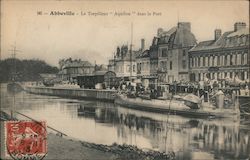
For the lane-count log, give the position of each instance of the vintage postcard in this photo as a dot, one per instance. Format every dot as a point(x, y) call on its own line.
point(124, 80)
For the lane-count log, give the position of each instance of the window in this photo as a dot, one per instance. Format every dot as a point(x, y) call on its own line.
point(218, 61)
point(204, 58)
point(213, 59)
point(133, 68)
point(231, 59)
point(128, 68)
point(239, 59)
point(208, 61)
point(184, 64)
point(170, 67)
point(231, 74)
point(241, 40)
point(199, 61)
point(225, 60)
point(235, 62)
point(245, 58)
point(164, 52)
point(184, 53)
point(190, 62)
point(242, 59)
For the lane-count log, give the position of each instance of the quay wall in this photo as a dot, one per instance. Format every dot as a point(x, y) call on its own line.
point(105, 95)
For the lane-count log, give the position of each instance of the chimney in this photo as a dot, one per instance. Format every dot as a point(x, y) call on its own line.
point(184, 25)
point(239, 26)
point(142, 44)
point(159, 31)
point(217, 34)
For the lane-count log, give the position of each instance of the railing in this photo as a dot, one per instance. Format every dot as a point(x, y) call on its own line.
point(61, 133)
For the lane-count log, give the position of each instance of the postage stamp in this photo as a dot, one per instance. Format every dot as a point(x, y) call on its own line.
point(26, 139)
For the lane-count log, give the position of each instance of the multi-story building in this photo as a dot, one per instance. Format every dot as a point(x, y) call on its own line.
point(226, 56)
point(167, 56)
point(143, 67)
point(123, 63)
point(69, 68)
point(173, 46)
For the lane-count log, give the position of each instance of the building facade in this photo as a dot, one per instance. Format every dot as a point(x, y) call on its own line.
point(123, 63)
point(166, 60)
point(173, 52)
point(143, 67)
point(69, 69)
point(224, 57)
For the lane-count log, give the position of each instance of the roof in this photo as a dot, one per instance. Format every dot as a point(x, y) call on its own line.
point(144, 54)
point(226, 40)
point(133, 56)
point(241, 32)
point(99, 73)
point(77, 64)
point(202, 45)
point(87, 63)
point(178, 36)
point(184, 38)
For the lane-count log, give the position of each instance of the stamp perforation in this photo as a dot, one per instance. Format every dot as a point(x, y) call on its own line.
point(28, 138)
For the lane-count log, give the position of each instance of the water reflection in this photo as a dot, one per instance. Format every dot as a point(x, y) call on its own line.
point(106, 123)
point(217, 138)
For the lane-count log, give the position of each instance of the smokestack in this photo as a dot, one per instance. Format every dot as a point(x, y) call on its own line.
point(239, 25)
point(217, 34)
point(142, 44)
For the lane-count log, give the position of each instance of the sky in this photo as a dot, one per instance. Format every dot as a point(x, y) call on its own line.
point(95, 38)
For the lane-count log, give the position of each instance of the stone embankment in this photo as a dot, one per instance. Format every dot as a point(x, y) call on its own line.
point(105, 95)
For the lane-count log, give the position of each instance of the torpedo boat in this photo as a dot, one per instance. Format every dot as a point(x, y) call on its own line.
point(189, 105)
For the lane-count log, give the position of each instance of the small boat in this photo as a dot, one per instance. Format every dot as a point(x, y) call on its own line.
point(190, 105)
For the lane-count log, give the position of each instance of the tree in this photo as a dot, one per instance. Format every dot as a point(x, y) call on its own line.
point(25, 70)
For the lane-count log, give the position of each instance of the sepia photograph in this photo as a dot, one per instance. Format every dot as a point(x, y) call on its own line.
point(124, 80)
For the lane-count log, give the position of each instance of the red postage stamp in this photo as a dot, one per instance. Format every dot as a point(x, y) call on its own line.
point(26, 139)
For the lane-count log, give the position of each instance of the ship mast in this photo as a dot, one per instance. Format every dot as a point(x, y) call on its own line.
point(13, 77)
point(13, 56)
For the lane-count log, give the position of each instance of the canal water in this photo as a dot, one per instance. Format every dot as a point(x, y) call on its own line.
point(107, 123)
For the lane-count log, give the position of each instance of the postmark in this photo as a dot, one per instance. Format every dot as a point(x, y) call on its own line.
point(26, 139)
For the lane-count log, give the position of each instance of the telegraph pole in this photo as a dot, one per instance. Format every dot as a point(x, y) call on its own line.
point(131, 45)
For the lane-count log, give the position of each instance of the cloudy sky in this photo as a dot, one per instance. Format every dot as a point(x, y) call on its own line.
point(95, 38)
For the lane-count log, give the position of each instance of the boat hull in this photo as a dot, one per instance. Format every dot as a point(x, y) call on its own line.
point(244, 101)
point(174, 107)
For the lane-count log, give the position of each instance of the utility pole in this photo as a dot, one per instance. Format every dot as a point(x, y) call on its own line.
point(131, 45)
